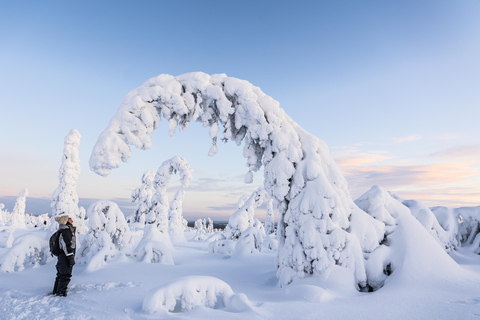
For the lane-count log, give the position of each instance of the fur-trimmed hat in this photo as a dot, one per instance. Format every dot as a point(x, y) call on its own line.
point(62, 219)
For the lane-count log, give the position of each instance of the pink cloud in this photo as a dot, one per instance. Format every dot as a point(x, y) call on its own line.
point(410, 138)
point(468, 151)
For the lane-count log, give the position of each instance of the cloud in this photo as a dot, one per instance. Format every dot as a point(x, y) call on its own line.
point(461, 152)
point(354, 158)
point(410, 138)
point(427, 183)
point(448, 136)
point(231, 207)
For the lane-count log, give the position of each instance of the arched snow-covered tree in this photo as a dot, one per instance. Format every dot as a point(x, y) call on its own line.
point(308, 189)
point(168, 217)
point(65, 197)
point(143, 196)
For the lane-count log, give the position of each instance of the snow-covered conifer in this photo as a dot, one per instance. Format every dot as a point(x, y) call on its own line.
point(3, 215)
point(243, 218)
point(200, 229)
point(107, 235)
point(307, 187)
point(209, 225)
point(269, 218)
point(251, 239)
point(65, 197)
point(17, 217)
point(143, 196)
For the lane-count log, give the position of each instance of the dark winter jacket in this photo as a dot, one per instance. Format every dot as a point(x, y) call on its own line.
point(67, 239)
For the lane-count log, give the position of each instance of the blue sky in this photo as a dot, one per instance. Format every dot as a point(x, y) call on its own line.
point(390, 86)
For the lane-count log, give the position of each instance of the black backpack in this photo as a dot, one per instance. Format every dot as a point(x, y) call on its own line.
point(54, 245)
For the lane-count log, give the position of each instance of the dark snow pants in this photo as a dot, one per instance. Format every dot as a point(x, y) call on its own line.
point(64, 274)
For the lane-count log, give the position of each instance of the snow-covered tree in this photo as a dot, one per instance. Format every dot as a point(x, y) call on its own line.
point(38, 221)
point(243, 218)
point(17, 217)
point(143, 196)
point(269, 218)
point(209, 225)
point(461, 223)
point(65, 197)
point(427, 218)
point(168, 217)
point(26, 251)
point(3, 215)
point(200, 228)
point(108, 234)
point(155, 246)
point(306, 185)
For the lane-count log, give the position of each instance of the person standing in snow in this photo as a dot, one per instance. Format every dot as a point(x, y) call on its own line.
point(66, 258)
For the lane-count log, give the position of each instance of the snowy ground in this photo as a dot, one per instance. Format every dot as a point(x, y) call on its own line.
point(117, 291)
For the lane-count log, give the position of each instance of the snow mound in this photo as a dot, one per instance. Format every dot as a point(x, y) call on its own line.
point(429, 221)
point(155, 246)
point(222, 246)
point(27, 250)
point(408, 252)
point(189, 292)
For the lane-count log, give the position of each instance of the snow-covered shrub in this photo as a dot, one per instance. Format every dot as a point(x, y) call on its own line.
point(222, 246)
point(427, 218)
point(107, 235)
point(469, 227)
point(10, 238)
point(269, 244)
point(65, 197)
point(40, 221)
point(143, 196)
point(3, 215)
point(27, 250)
point(251, 239)
point(269, 218)
point(189, 292)
point(384, 209)
point(17, 217)
point(155, 246)
point(449, 220)
point(243, 218)
point(200, 229)
point(307, 187)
